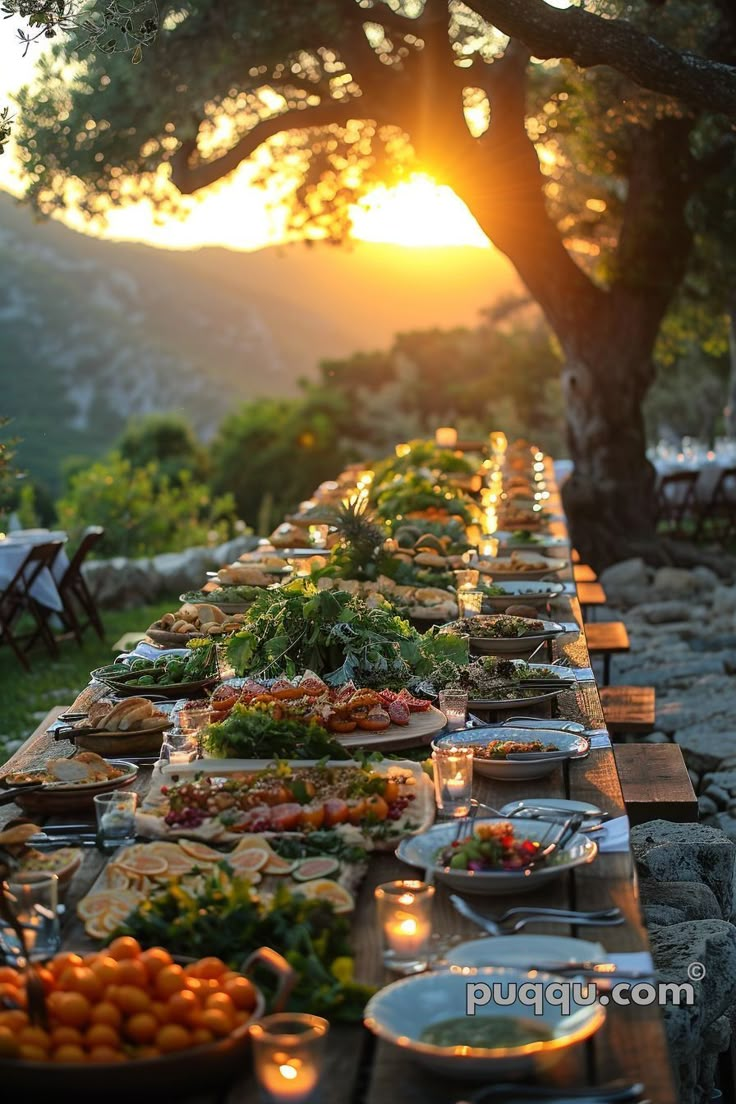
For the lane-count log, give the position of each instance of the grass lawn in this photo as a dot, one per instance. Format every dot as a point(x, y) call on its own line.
point(26, 697)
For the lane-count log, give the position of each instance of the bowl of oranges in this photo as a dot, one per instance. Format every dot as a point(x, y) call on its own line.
point(125, 1021)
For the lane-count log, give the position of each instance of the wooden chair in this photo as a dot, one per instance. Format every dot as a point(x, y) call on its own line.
point(17, 600)
point(677, 503)
point(719, 514)
point(629, 710)
point(607, 638)
point(655, 783)
point(590, 596)
point(75, 594)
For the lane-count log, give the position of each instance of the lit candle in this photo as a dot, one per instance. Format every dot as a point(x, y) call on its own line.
point(288, 1051)
point(489, 547)
point(404, 915)
point(456, 786)
point(446, 437)
point(288, 1079)
point(406, 935)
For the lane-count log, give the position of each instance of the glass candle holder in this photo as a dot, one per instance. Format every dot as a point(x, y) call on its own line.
point(318, 535)
point(405, 917)
point(446, 437)
point(498, 442)
point(454, 704)
point(288, 1056)
point(33, 899)
point(469, 602)
point(467, 579)
point(488, 548)
point(453, 780)
point(115, 819)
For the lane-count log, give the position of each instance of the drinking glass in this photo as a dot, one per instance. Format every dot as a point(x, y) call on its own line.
point(454, 704)
point(288, 1055)
point(115, 819)
point(469, 602)
point(405, 919)
point(34, 901)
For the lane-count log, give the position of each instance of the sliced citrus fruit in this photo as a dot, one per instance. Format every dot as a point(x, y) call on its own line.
point(177, 861)
point(277, 865)
point(252, 839)
point(199, 851)
point(324, 889)
point(254, 858)
point(117, 878)
point(318, 867)
point(144, 863)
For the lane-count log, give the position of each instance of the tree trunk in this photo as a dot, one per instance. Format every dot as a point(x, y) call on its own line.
point(609, 498)
point(729, 412)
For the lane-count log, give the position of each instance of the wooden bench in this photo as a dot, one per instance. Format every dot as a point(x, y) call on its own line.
point(607, 638)
point(590, 595)
point(629, 709)
point(655, 783)
point(575, 556)
point(582, 573)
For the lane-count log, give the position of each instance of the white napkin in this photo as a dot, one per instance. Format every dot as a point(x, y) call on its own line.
point(614, 835)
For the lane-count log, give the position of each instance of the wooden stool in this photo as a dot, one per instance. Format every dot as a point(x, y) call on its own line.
point(655, 783)
point(607, 638)
point(629, 709)
point(581, 573)
point(590, 595)
point(575, 556)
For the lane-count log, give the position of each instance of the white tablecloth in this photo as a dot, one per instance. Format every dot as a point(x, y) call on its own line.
point(14, 549)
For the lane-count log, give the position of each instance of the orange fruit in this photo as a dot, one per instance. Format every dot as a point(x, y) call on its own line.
point(216, 1021)
point(202, 1035)
point(182, 1006)
point(62, 1035)
point(101, 1034)
point(14, 1019)
point(47, 978)
point(210, 968)
point(148, 1052)
point(221, 1001)
point(9, 976)
point(106, 969)
point(68, 1052)
point(32, 1053)
point(241, 992)
point(142, 1028)
point(154, 959)
point(73, 1009)
point(131, 971)
point(106, 1013)
point(130, 999)
point(198, 987)
point(34, 1036)
point(160, 1011)
point(8, 1043)
point(124, 947)
point(12, 994)
point(60, 962)
point(170, 980)
point(80, 979)
point(105, 1054)
point(172, 1037)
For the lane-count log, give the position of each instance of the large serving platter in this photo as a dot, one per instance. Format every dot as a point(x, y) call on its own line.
point(499, 571)
point(524, 592)
point(67, 797)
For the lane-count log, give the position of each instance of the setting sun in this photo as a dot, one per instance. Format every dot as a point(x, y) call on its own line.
point(416, 212)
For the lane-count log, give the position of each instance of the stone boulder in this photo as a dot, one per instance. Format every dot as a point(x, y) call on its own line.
point(121, 583)
point(681, 900)
point(627, 582)
point(229, 552)
point(658, 613)
point(706, 745)
point(697, 1033)
point(181, 571)
point(668, 852)
point(675, 580)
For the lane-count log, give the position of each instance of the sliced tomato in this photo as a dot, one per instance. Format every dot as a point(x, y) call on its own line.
point(336, 811)
point(285, 818)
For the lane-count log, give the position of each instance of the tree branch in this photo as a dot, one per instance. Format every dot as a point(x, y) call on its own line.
point(588, 40)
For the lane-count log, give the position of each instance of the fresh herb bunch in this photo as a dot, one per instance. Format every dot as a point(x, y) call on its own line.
point(495, 626)
point(225, 594)
point(323, 841)
point(229, 920)
point(253, 732)
point(488, 677)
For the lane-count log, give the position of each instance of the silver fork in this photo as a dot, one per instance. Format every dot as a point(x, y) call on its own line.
point(543, 916)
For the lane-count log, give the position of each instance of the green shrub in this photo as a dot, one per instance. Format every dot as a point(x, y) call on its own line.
point(142, 512)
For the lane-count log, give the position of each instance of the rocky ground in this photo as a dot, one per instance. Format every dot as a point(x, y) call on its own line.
point(682, 627)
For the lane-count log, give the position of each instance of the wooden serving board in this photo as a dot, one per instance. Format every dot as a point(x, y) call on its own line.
point(420, 730)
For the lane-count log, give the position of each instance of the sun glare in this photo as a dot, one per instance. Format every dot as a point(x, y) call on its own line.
point(417, 212)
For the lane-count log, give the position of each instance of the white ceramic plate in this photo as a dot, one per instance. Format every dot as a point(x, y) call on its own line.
point(421, 851)
point(521, 592)
point(560, 803)
point(516, 771)
point(516, 645)
point(524, 950)
point(400, 1012)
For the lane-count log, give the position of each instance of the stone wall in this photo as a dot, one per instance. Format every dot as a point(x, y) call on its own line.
point(120, 583)
point(682, 627)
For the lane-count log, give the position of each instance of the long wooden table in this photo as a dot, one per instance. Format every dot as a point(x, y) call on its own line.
point(631, 1044)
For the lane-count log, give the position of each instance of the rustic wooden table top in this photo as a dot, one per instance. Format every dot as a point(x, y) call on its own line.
point(631, 1045)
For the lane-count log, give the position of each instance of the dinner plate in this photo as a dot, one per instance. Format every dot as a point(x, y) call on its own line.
point(524, 950)
point(63, 797)
point(516, 645)
point(501, 573)
point(421, 851)
point(523, 592)
point(561, 803)
point(517, 770)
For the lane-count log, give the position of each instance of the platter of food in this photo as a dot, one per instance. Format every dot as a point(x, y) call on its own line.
point(218, 801)
point(69, 784)
point(169, 676)
point(133, 726)
point(504, 634)
point(229, 599)
point(497, 683)
point(498, 597)
point(492, 747)
point(193, 620)
point(521, 565)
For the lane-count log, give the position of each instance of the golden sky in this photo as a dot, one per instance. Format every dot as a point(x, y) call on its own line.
point(235, 214)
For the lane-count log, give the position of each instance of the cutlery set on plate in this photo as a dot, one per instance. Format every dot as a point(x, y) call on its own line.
point(531, 1094)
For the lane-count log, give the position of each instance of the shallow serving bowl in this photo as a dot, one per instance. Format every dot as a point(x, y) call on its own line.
point(402, 1011)
point(421, 851)
point(515, 770)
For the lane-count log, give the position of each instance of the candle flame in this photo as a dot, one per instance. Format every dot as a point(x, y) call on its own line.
point(288, 1072)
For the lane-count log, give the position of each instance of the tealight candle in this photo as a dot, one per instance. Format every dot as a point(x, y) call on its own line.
point(288, 1050)
point(446, 437)
point(498, 442)
point(453, 779)
point(489, 547)
point(404, 914)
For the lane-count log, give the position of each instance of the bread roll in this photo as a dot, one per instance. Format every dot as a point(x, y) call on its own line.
point(206, 612)
point(430, 559)
point(139, 707)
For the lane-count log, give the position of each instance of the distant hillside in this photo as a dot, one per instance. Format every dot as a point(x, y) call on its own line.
point(92, 332)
